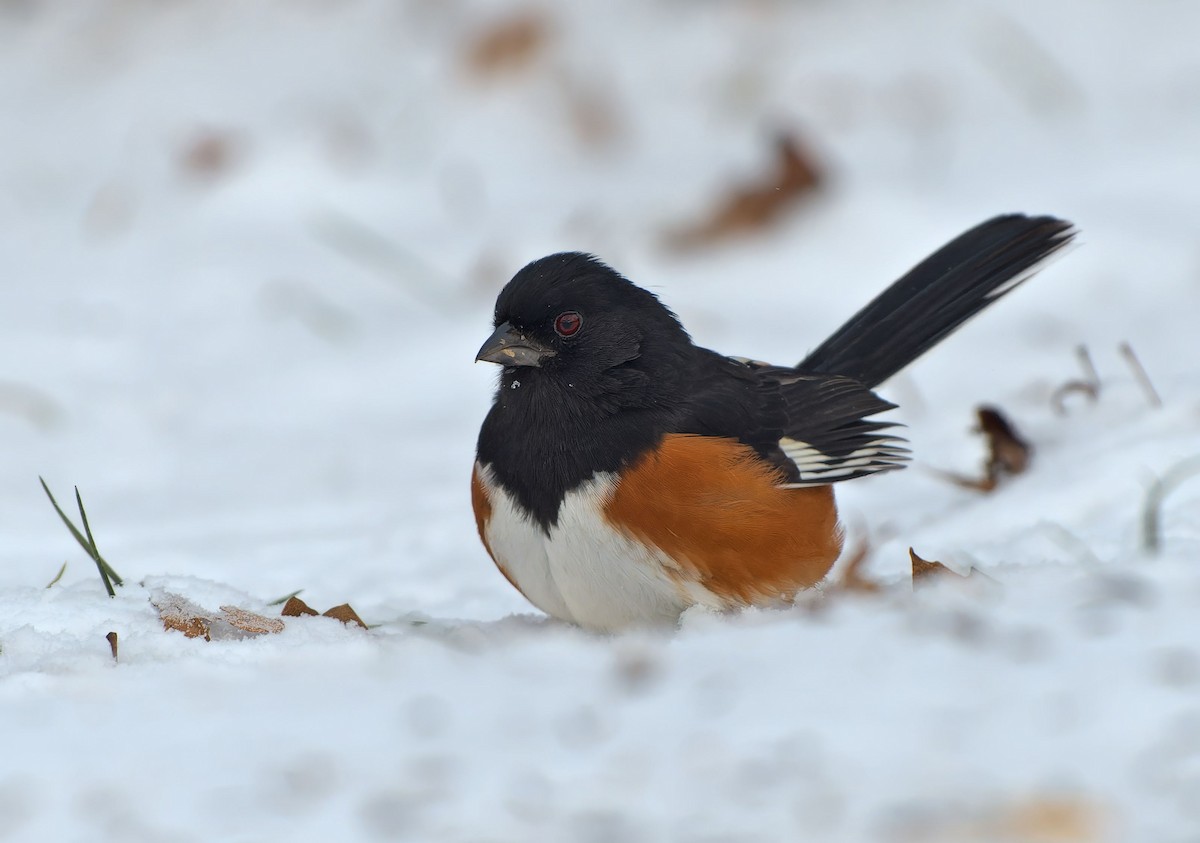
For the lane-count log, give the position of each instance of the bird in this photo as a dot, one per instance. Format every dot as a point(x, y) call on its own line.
point(625, 474)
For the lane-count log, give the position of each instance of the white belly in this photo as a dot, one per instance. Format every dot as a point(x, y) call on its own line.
point(585, 571)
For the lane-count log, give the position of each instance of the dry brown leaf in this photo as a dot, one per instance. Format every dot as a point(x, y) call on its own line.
point(1008, 453)
point(923, 568)
point(112, 643)
point(295, 607)
point(194, 621)
point(509, 44)
point(250, 622)
point(181, 614)
point(756, 205)
point(345, 614)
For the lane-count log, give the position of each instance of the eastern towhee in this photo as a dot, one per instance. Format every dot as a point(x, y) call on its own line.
point(625, 474)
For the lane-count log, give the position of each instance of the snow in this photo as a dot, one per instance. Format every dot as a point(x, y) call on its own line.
point(261, 379)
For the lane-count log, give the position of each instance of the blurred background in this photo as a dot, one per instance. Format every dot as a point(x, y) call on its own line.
point(248, 250)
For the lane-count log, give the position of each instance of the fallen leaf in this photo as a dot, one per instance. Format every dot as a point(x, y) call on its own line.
point(509, 44)
point(923, 568)
point(1008, 453)
point(194, 621)
point(344, 614)
point(112, 643)
point(250, 622)
point(295, 607)
point(181, 614)
point(755, 205)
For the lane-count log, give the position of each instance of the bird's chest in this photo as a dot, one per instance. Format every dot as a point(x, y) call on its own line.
point(582, 569)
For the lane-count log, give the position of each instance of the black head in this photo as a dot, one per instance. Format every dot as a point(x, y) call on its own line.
point(571, 321)
point(594, 373)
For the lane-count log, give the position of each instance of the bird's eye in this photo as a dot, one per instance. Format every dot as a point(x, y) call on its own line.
point(568, 324)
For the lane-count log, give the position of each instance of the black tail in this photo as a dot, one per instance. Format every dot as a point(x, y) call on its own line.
point(937, 295)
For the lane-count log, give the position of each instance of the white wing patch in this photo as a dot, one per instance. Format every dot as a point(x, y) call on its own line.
point(818, 468)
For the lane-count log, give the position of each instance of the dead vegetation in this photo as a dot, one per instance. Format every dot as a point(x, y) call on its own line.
point(180, 614)
point(1009, 454)
point(854, 578)
point(507, 45)
point(1089, 384)
point(753, 205)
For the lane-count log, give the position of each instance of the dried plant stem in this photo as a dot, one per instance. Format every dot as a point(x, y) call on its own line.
point(1089, 368)
point(1089, 385)
point(1159, 488)
point(1139, 372)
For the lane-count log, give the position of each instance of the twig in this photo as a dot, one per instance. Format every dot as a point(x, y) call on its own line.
point(107, 574)
point(1089, 385)
point(1158, 490)
point(1139, 372)
point(1085, 362)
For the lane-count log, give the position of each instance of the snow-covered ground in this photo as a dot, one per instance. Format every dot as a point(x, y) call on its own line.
point(247, 253)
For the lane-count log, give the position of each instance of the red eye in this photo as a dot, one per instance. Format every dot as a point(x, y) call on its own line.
point(568, 324)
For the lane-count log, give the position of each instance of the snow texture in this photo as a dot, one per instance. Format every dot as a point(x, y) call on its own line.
point(248, 253)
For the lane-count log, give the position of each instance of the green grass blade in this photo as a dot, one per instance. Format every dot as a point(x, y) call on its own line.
point(67, 521)
point(88, 547)
point(57, 576)
point(285, 598)
point(105, 568)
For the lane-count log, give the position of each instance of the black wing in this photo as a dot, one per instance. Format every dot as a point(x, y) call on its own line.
point(815, 428)
point(813, 421)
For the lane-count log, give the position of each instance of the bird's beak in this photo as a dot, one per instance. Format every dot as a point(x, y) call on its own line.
point(509, 347)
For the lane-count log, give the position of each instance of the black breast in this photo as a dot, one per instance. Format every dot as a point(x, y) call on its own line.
point(541, 441)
